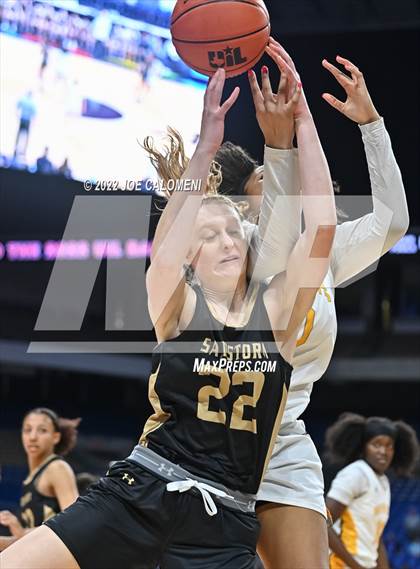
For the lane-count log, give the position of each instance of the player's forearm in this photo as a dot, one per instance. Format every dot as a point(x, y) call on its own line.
point(309, 261)
point(318, 197)
point(173, 233)
point(386, 182)
point(280, 216)
point(361, 242)
point(337, 546)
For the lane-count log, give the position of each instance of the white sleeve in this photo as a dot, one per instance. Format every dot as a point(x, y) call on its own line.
point(361, 242)
point(280, 217)
point(349, 483)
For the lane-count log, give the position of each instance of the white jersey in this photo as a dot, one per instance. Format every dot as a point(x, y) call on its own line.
point(357, 245)
point(314, 350)
point(367, 498)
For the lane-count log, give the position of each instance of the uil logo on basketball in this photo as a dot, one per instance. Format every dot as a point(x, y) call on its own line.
point(228, 57)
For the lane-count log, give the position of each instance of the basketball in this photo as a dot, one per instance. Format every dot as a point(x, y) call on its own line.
point(208, 34)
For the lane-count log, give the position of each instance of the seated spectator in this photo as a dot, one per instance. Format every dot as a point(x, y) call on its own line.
point(43, 164)
point(64, 169)
point(414, 548)
point(412, 523)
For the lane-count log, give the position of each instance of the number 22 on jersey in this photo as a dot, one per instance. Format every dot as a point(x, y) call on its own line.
point(237, 421)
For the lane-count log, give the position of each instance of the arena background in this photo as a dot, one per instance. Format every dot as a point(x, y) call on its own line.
point(91, 108)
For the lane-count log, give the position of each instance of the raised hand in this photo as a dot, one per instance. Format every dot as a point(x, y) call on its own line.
point(275, 111)
point(213, 118)
point(358, 106)
point(277, 52)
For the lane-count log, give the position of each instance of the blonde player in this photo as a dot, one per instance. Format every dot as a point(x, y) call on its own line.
point(132, 518)
point(291, 497)
point(359, 497)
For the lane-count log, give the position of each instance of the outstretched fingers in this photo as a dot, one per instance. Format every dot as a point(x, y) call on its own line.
point(266, 84)
point(214, 92)
point(214, 89)
point(339, 105)
point(293, 80)
point(344, 80)
point(282, 88)
point(284, 67)
point(278, 48)
point(257, 96)
point(296, 95)
point(230, 101)
point(356, 74)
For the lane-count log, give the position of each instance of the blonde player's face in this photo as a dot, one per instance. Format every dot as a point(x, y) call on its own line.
point(38, 435)
point(379, 452)
point(222, 258)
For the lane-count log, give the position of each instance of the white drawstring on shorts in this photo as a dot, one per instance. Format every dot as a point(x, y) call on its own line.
point(205, 490)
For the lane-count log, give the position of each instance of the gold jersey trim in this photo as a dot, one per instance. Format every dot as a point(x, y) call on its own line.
point(309, 324)
point(159, 417)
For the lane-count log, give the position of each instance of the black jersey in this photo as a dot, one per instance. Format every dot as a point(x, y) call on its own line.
point(35, 508)
point(218, 406)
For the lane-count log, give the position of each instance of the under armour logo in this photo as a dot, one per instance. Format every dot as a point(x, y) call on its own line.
point(250, 505)
point(129, 480)
point(162, 468)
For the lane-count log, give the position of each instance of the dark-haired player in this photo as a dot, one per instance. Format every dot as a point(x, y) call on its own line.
point(291, 497)
point(51, 485)
point(359, 497)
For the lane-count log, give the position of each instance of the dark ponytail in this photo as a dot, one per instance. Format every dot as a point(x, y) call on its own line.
point(237, 166)
point(406, 449)
point(345, 439)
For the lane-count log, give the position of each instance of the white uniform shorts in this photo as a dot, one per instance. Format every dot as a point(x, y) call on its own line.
point(294, 474)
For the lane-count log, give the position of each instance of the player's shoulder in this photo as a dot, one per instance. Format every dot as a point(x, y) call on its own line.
point(350, 483)
point(354, 469)
point(59, 467)
point(364, 472)
point(357, 465)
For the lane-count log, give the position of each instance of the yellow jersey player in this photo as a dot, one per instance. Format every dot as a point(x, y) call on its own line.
point(359, 498)
point(291, 496)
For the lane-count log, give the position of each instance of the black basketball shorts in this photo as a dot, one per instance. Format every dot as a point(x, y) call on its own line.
point(129, 520)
